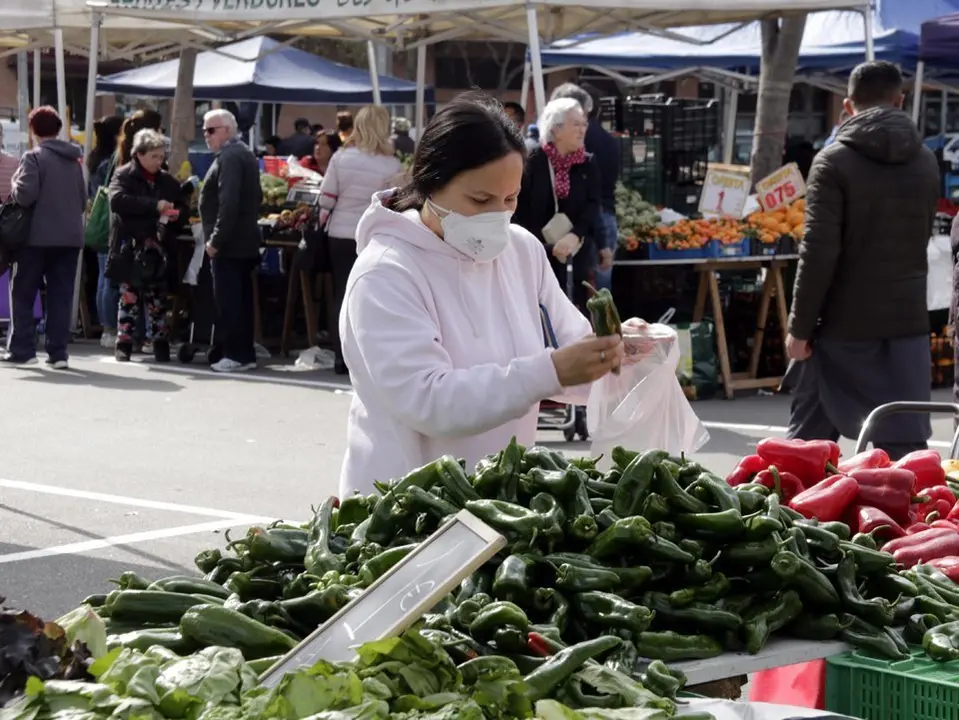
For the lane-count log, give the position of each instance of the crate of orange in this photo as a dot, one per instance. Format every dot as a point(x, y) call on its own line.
point(695, 238)
point(768, 230)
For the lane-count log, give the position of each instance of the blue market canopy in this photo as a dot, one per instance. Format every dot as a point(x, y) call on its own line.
point(261, 69)
point(939, 40)
point(834, 41)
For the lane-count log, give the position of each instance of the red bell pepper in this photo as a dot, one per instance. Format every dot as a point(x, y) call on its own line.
point(889, 489)
point(746, 469)
point(948, 524)
point(874, 521)
point(938, 499)
point(834, 452)
point(948, 566)
point(925, 548)
point(954, 513)
point(868, 460)
point(917, 527)
point(808, 461)
point(828, 500)
point(786, 485)
point(910, 540)
point(926, 465)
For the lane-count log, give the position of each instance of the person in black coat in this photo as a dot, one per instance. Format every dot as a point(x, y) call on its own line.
point(560, 197)
point(147, 206)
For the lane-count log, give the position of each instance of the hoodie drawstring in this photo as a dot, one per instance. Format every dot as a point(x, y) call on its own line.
point(460, 283)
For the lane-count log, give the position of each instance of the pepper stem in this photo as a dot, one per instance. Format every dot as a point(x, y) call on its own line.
point(592, 290)
point(777, 480)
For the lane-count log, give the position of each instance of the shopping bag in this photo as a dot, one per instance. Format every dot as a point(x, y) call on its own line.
point(644, 407)
point(97, 232)
point(698, 369)
point(802, 685)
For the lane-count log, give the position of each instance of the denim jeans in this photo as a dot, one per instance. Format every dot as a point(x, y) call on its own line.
point(108, 298)
point(607, 240)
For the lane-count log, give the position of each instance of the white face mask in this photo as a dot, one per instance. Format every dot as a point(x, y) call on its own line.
point(481, 237)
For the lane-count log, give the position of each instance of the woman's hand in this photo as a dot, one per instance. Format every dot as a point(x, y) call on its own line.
point(637, 343)
point(163, 205)
point(588, 360)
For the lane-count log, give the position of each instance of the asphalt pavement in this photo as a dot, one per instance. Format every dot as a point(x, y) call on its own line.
point(110, 467)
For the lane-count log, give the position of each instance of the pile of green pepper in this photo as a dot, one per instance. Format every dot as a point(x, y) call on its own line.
point(605, 574)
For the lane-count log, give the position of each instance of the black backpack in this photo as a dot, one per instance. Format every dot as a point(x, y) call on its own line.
point(14, 228)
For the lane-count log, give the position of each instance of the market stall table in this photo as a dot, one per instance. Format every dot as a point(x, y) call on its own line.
point(773, 287)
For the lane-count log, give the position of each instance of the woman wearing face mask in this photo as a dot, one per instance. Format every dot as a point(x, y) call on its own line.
point(441, 323)
point(560, 201)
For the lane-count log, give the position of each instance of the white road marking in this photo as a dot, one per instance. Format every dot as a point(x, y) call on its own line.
point(117, 540)
point(122, 500)
point(270, 376)
point(779, 430)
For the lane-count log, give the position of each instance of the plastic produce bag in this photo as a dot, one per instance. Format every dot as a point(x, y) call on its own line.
point(939, 279)
point(644, 406)
point(803, 685)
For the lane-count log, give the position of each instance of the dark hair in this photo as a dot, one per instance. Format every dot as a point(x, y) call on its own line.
point(332, 139)
point(344, 121)
point(45, 122)
point(316, 128)
point(105, 131)
point(875, 83)
point(140, 120)
point(273, 140)
point(468, 133)
point(516, 108)
point(301, 123)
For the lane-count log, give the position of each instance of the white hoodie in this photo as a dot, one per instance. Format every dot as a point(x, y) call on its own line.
point(446, 354)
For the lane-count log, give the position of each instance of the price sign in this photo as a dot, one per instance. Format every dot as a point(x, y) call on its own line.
point(724, 194)
point(782, 188)
point(399, 598)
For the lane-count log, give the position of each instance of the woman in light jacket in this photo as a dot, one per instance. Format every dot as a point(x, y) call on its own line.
point(441, 324)
point(365, 165)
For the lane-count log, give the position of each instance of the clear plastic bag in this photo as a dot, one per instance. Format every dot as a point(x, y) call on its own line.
point(644, 407)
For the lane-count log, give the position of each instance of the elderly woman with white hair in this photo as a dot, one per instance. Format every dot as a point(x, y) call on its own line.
point(560, 198)
point(148, 204)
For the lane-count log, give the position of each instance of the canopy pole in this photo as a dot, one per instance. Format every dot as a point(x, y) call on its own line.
point(36, 80)
point(539, 84)
point(419, 121)
point(729, 134)
point(944, 112)
point(91, 83)
point(524, 89)
point(23, 95)
point(61, 83)
point(374, 73)
point(917, 91)
point(870, 44)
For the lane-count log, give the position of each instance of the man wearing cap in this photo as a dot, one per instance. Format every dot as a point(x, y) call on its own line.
point(300, 143)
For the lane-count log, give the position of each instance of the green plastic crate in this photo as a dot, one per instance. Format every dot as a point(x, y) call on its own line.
point(874, 689)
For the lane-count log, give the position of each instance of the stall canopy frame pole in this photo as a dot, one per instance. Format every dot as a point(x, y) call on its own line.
point(917, 91)
point(61, 83)
point(870, 44)
point(419, 121)
point(23, 94)
point(729, 134)
point(524, 88)
point(539, 84)
point(944, 112)
point(374, 74)
point(36, 80)
point(94, 58)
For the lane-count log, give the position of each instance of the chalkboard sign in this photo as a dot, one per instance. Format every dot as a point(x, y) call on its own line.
point(399, 598)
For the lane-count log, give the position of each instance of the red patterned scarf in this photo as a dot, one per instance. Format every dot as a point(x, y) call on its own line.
point(561, 165)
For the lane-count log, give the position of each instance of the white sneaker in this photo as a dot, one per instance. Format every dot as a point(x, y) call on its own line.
point(108, 340)
point(58, 364)
point(261, 352)
point(226, 365)
point(11, 360)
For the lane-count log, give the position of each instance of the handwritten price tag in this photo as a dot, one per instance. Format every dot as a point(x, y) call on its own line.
point(724, 194)
point(782, 188)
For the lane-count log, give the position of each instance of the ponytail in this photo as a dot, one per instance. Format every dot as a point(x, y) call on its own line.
point(406, 198)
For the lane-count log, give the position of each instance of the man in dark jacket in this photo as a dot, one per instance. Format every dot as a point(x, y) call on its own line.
point(229, 209)
point(859, 320)
point(300, 143)
point(50, 182)
point(606, 153)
